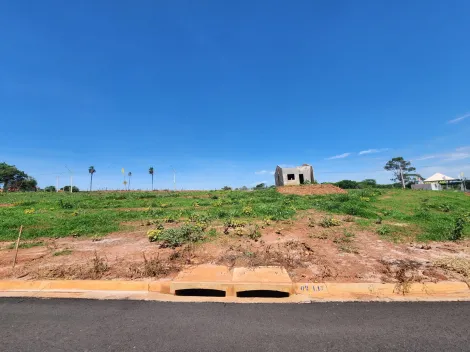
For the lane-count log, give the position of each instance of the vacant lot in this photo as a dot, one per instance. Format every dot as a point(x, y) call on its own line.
point(362, 235)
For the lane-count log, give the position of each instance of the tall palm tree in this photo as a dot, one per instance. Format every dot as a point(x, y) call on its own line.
point(91, 170)
point(129, 174)
point(151, 173)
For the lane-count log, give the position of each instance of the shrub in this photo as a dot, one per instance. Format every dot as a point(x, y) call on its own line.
point(226, 188)
point(457, 231)
point(176, 237)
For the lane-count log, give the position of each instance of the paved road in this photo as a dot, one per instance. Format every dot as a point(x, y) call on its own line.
point(87, 325)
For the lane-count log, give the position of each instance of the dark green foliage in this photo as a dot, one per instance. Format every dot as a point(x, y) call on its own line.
point(67, 189)
point(50, 189)
point(347, 184)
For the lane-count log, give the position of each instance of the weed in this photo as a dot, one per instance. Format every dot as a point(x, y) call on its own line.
point(212, 232)
point(383, 230)
point(329, 222)
point(311, 222)
point(254, 232)
point(348, 218)
point(247, 210)
point(98, 267)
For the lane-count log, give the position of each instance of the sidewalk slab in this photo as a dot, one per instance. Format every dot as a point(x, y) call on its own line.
point(207, 277)
point(268, 278)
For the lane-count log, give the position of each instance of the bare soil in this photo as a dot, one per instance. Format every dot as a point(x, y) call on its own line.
point(310, 189)
point(310, 253)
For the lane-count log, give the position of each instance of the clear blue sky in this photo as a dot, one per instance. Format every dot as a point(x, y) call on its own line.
point(225, 90)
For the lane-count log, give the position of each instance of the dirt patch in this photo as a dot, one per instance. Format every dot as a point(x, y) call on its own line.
point(5, 205)
point(310, 189)
point(310, 252)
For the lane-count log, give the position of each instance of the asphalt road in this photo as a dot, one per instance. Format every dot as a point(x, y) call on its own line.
point(87, 325)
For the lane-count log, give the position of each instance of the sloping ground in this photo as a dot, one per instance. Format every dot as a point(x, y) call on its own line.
point(310, 252)
point(303, 190)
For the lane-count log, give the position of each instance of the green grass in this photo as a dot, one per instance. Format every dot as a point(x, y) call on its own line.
point(426, 215)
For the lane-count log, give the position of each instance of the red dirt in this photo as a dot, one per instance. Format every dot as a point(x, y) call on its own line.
point(309, 252)
point(303, 190)
point(5, 205)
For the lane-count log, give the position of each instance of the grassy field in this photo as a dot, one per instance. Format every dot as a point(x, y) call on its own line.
point(394, 214)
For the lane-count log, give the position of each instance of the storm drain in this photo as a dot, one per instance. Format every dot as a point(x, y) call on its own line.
point(200, 292)
point(262, 294)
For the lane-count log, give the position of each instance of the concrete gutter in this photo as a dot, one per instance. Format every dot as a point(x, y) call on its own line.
point(231, 283)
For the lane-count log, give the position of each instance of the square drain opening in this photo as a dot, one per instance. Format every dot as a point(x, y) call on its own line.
point(262, 294)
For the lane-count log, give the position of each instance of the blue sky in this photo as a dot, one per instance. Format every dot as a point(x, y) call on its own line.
point(225, 91)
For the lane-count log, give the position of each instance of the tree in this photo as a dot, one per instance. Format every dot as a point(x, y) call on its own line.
point(226, 188)
point(401, 170)
point(368, 182)
point(129, 174)
point(50, 189)
point(260, 186)
point(28, 184)
point(91, 170)
point(13, 179)
point(67, 188)
point(151, 172)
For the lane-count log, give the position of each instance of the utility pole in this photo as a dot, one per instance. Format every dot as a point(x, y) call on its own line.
point(57, 189)
point(71, 179)
point(174, 177)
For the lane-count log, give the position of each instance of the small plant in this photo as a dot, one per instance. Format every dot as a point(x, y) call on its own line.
point(234, 223)
point(254, 233)
point(212, 232)
point(383, 230)
point(348, 218)
point(29, 211)
point(154, 233)
point(65, 205)
point(99, 266)
point(329, 222)
point(311, 222)
point(365, 199)
point(217, 203)
point(247, 210)
point(445, 207)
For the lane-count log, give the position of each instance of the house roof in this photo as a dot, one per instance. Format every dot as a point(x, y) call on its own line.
point(439, 177)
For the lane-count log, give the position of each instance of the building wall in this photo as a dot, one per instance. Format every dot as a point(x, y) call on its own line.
point(281, 175)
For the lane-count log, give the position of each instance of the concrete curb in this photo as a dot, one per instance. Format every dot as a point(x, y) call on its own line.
point(299, 292)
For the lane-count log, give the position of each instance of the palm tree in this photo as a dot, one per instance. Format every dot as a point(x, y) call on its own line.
point(129, 174)
point(151, 173)
point(91, 170)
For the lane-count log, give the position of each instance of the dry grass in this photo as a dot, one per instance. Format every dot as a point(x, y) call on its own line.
point(403, 273)
point(459, 266)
